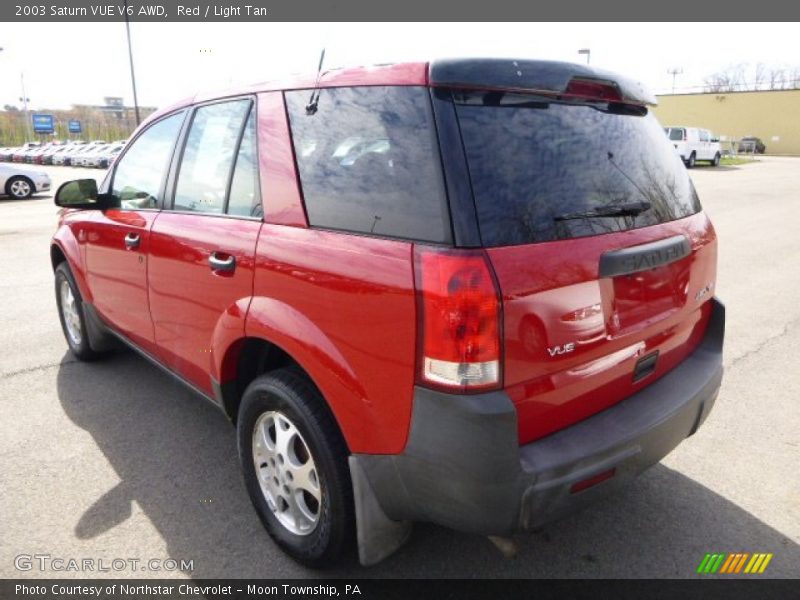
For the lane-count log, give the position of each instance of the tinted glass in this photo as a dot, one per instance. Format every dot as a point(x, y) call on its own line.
point(140, 171)
point(245, 199)
point(543, 170)
point(676, 134)
point(369, 162)
point(208, 157)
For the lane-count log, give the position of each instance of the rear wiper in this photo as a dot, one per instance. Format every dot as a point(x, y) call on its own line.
point(630, 209)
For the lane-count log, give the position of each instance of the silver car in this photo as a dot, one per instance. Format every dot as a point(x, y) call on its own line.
point(21, 183)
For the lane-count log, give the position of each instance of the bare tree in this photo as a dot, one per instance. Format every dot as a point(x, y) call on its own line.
point(742, 77)
point(759, 76)
point(776, 78)
point(793, 78)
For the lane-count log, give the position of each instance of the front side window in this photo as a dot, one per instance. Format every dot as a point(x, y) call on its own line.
point(369, 161)
point(676, 134)
point(140, 172)
point(208, 157)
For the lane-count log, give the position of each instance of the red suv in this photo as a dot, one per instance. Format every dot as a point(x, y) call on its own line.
point(477, 293)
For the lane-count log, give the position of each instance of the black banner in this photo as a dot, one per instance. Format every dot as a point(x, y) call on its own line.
point(416, 589)
point(407, 10)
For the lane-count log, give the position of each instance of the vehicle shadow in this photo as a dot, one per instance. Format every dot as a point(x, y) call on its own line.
point(4, 199)
point(175, 456)
point(720, 168)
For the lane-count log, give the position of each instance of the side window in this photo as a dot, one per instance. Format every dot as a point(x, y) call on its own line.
point(208, 156)
point(369, 161)
point(140, 172)
point(703, 135)
point(244, 199)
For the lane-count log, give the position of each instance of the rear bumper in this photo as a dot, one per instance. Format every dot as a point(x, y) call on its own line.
point(462, 467)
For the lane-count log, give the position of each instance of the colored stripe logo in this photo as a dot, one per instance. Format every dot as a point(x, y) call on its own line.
point(734, 563)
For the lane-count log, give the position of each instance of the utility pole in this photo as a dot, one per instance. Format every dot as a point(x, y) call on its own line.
point(674, 72)
point(130, 57)
point(24, 99)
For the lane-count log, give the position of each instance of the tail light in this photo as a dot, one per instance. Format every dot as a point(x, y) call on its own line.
point(459, 325)
point(594, 89)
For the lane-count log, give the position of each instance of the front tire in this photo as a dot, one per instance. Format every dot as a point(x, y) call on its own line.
point(19, 188)
point(294, 461)
point(70, 312)
point(692, 160)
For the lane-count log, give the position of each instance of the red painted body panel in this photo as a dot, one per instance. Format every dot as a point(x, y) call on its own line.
point(344, 307)
point(280, 190)
point(633, 315)
point(117, 275)
point(66, 238)
point(197, 312)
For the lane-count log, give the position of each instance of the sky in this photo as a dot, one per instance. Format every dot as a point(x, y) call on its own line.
point(81, 63)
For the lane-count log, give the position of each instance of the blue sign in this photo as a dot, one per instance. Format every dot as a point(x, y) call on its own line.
point(74, 126)
point(43, 124)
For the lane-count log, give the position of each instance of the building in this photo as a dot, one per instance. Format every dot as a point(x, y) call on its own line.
point(772, 115)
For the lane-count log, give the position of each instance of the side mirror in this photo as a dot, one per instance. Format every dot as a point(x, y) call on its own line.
point(82, 193)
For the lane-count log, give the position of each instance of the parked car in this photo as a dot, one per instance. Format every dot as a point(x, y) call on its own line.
point(103, 157)
point(78, 159)
point(350, 277)
point(693, 144)
point(47, 157)
point(21, 183)
point(65, 158)
point(24, 153)
point(751, 144)
point(38, 156)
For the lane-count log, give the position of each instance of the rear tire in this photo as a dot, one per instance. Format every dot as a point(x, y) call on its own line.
point(302, 495)
point(19, 188)
point(70, 313)
point(715, 162)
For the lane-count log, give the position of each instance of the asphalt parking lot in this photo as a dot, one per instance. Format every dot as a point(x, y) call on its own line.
point(115, 460)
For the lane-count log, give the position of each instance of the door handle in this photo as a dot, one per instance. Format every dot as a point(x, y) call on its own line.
point(221, 264)
point(132, 240)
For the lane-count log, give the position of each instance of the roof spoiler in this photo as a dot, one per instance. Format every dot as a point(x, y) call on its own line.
point(530, 76)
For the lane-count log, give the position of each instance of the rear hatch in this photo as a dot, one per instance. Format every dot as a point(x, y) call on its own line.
point(604, 259)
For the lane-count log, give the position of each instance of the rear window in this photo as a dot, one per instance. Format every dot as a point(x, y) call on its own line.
point(676, 134)
point(369, 162)
point(546, 170)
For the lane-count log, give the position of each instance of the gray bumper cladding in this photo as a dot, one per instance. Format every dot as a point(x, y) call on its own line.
point(462, 467)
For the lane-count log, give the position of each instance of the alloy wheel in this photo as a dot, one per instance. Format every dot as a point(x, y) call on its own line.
point(20, 188)
point(287, 473)
point(69, 310)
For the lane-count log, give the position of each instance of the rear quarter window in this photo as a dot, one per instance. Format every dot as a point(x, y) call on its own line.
point(369, 162)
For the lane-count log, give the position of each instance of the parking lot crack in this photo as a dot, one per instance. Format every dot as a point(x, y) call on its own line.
point(27, 370)
point(764, 343)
